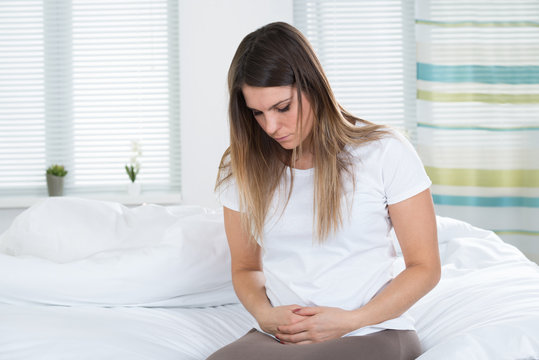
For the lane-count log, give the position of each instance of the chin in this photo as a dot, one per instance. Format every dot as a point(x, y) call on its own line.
point(288, 146)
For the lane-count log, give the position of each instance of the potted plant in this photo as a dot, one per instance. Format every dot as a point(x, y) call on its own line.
point(132, 169)
point(55, 179)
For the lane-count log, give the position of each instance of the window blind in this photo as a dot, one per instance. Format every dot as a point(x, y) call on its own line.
point(367, 49)
point(22, 101)
point(79, 81)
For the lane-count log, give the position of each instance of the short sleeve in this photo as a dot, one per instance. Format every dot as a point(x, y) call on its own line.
point(227, 195)
point(403, 172)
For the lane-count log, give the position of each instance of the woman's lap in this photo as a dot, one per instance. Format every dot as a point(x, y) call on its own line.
point(386, 344)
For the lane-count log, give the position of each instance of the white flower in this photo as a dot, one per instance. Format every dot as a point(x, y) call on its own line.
point(133, 167)
point(136, 148)
point(136, 152)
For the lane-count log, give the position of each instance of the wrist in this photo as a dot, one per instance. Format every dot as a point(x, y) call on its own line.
point(357, 319)
point(262, 313)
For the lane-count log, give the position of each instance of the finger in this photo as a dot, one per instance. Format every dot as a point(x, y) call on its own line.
point(304, 342)
point(298, 343)
point(296, 318)
point(294, 307)
point(294, 328)
point(293, 338)
point(307, 311)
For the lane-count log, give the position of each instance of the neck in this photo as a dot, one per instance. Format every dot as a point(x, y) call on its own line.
point(304, 162)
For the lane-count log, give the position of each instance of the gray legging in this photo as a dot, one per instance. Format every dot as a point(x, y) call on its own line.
point(385, 344)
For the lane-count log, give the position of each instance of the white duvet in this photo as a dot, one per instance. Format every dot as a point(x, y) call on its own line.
point(120, 276)
point(487, 304)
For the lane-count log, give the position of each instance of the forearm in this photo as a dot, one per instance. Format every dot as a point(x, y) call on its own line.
point(250, 289)
point(401, 293)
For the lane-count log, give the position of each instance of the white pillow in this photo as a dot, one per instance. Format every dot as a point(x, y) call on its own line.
point(64, 229)
point(68, 251)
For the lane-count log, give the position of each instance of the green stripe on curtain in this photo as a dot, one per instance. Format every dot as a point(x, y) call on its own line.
point(517, 232)
point(485, 74)
point(477, 97)
point(478, 23)
point(482, 201)
point(528, 178)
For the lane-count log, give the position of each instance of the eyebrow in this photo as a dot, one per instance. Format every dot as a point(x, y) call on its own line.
point(273, 106)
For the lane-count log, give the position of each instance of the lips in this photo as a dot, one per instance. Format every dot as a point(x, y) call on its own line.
point(281, 138)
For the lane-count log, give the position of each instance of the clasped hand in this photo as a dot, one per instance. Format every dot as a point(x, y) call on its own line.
point(294, 324)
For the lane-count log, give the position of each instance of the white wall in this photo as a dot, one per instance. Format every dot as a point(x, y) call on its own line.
point(210, 31)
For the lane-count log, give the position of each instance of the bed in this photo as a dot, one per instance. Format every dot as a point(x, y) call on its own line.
point(87, 279)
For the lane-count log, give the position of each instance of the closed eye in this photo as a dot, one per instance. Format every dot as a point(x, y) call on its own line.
point(281, 110)
point(285, 109)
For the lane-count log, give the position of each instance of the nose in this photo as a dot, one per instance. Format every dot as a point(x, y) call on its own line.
point(271, 123)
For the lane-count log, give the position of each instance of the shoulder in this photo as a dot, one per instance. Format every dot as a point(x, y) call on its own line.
point(390, 143)
point(227, 194)
point(395, 143)
point(390, 154)
point(225, 188)
point(392, 162)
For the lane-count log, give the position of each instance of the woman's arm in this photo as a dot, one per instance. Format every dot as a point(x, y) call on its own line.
point(414, 221)
point(248, 278)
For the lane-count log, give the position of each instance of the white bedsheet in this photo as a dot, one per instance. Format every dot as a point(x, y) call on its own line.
point(38, 332)
point(486, 305)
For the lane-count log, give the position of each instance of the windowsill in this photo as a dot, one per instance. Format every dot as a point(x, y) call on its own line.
point(150, 198)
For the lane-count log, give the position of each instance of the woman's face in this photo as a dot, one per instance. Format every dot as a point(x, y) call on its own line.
point(276, 111)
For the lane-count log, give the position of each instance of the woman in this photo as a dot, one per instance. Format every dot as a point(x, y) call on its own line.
point(310, 194)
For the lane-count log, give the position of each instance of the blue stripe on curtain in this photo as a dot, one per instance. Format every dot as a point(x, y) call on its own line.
point(502, 201)
point(495, 74)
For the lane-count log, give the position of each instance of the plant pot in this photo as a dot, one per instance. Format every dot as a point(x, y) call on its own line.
point(55, 185)
point(133, 189)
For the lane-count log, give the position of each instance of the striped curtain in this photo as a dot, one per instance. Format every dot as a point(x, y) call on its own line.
point(478, 112)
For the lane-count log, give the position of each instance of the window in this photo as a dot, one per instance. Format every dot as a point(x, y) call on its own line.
point(79, 81)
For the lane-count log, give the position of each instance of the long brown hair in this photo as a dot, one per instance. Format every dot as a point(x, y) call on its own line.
point(279, 55)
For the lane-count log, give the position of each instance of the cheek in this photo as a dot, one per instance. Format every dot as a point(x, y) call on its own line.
point(291, 120)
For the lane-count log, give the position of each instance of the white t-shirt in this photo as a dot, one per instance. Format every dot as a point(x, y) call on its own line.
point(349, 268)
